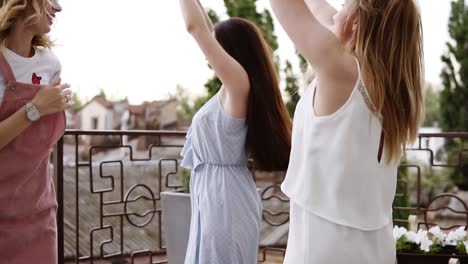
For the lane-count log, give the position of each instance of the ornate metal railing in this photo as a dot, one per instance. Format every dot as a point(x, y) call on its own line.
point(109, 204)
point(424, 179)
point(103, 199)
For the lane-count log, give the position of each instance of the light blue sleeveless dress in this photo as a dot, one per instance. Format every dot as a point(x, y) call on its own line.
point(226, 207)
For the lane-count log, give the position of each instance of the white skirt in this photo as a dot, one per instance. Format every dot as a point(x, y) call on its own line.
point(315, 240)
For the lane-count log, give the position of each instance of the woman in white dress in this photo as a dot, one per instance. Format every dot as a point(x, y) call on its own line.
point(351, 126)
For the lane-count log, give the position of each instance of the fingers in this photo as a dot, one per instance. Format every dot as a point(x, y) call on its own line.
point(63, 86)
point(67, 92)
point(69, 104)
point(66, 102)
point(67, 95)
point(57, 89)
point(67, 98)
point(55, 82)
point(64, 91)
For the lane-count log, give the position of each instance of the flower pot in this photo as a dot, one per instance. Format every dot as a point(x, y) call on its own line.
point(416, 258)
point(176, 213)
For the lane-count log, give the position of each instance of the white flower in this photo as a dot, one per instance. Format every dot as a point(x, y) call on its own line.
point(412, 237)
point(424, 240)
point(426, 245)
point(456, 236)
point(398, 232)
point(439, 236)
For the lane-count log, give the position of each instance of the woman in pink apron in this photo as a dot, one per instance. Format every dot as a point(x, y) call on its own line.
point(31, 121)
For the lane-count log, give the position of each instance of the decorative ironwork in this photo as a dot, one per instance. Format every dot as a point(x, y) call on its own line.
point(433, 147)
point(429, 209)
point(123, 202)
point(274, 190)
point(114, 201)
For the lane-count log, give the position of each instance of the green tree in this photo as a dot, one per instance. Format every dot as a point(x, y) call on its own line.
point(302, 62)
point(248, 9)
point(431, 106)
point(102, 94)
point(213, 16)
point(185, 109)
point(77, 104)
point(454, 96)
point(292, 89)
point(401, 199)
point(245, 9)
point(213, 85)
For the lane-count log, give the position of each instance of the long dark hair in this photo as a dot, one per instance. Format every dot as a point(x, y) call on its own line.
point(268, 139)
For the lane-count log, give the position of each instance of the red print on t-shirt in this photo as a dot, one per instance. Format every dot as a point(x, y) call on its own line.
point(36, 79)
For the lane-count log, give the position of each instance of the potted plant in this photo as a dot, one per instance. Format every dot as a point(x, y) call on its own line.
point(176, 213)
point(431, 247)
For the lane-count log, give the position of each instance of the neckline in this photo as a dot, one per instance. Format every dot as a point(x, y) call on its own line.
point(18, 57)
point(7, 71)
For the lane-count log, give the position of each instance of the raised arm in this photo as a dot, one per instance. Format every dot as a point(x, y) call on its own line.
point(323, 11)
point(319, 46)
point(208, 21)
point(230, 72)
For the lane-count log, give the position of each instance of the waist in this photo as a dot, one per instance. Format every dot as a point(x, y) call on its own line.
point(214, 164)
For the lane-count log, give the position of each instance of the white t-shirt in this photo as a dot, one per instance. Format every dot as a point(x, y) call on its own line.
point(42, 68)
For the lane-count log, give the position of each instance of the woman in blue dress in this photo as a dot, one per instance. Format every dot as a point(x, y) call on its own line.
point(245, 119)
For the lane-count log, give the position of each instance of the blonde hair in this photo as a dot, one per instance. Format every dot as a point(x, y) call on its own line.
point(13, 10)
point(388, 42)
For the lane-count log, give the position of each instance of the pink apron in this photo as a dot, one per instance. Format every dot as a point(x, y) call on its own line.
point(28, 229)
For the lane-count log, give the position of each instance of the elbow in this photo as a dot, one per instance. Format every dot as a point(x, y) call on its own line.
point(189, 27)
point(192, 28)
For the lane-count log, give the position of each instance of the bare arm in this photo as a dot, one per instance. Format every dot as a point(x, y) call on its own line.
point(11, 127)
point(48, 100)
point(230, 72)
point(323, 11)
point(319, 46)
point(208, 21)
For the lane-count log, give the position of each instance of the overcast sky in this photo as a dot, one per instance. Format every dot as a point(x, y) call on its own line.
point(140, 48)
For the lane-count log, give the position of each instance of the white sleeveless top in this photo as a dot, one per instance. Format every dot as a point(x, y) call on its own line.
point(334, 170)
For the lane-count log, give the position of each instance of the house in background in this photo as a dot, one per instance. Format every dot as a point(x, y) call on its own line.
point(100, 114)
point(156, 115)
point(168, 115)
point(72, 118)
point(434, 144)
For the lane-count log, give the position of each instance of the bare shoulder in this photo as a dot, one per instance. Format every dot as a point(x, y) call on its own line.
point(343, 71)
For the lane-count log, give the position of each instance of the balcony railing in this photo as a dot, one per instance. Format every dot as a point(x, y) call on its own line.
point(109, 184)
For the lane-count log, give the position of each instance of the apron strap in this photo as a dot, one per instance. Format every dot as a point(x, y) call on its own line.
point(6, 69)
